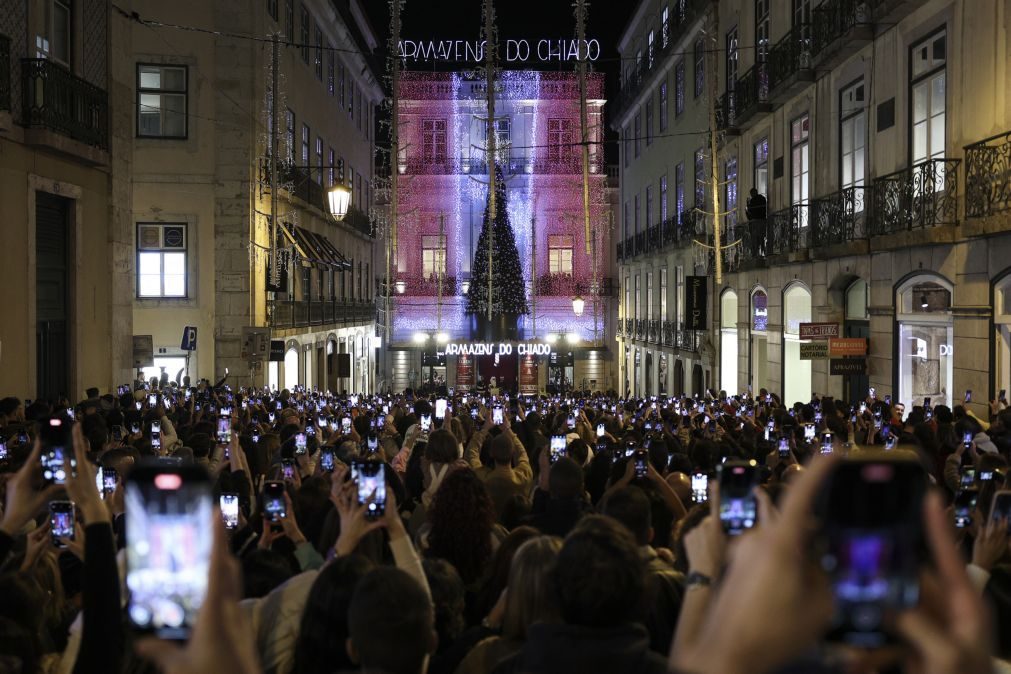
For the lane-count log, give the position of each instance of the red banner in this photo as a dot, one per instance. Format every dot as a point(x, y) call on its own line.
point(528, 375)
point(464, 372)
point(850, 346)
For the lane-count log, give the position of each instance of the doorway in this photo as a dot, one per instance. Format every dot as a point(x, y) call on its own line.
point(52, 358)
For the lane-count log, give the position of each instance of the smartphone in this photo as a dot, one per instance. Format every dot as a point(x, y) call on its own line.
point(23, 438)
point(372, 443)
point(152, 400)
point(738, 507)
point(872, 394)
point(327, 460)
point(784, 447)
point(301, 442)
point(600, 430)
point(372, 487)
point(888, 400)
point(440, 408)
point(641, 463)
point(224, 430)
point(56, 446)
point(700, 488)
point(3, 449)
point(229, 504)
point(310, 431)
point(571, 422)
point(967, 439)
point(770, 428)
point(1002, 395)
point(169, 510)
point(891, 441)
point(270, 417)
point(809, 432)
point(156, 434)
point(870, 542)
point(345, 425)
point(1001, 507)
point(557, 448)
point(272, 501)
point(110, 476)
point(61, 521)
point(497, 416)
point(288, 469)
point(965, 503)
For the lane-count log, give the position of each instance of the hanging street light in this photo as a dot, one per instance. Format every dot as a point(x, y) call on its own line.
point(577, 305)
point(339, 197)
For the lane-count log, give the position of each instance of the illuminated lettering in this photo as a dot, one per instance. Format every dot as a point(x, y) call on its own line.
point(516, 50)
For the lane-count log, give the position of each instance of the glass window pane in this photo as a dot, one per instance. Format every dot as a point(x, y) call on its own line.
point(149, 286)
point(937, 94)
point(859, 130)
point(174, 79)
point(149, 263)
point(937, 135)
point(175, 285)
point(858, 166)
point(175, 263)
point(919, 142)
point(919, 102)
point(847, 136)
point(150, 77)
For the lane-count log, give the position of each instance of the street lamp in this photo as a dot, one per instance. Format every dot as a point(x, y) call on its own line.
point(465, 287)
point(577, 305)
point(339, 197)
point(401, 287)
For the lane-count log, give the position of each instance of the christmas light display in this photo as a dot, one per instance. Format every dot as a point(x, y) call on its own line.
point(508, 292)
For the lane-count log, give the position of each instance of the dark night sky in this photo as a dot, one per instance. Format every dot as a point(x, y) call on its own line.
point(530, 19)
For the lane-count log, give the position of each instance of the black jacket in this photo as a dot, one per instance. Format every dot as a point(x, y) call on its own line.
point(572, 649)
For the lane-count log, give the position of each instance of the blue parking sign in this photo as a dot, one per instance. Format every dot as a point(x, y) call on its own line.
point(189, 339)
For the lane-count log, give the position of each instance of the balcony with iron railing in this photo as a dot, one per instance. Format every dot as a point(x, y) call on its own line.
point(5, 73)
point(305, 185)
point(748, 101)
point(840, 218)
point(663, 332)
point(54, 99)
point(789, 64)
point(919, 197)
point(568, 163)
point(988, 184)
point(292, 313)
point(839, 28)
point(673, 232)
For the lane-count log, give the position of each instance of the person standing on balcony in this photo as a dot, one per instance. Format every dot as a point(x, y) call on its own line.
point(757, 210)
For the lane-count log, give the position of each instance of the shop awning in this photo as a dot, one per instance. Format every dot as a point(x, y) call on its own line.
point(313, 248)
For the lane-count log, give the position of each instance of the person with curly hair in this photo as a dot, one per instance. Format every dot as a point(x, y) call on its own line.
point(461, 525)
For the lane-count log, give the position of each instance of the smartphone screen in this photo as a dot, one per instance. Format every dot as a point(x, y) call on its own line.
point(440, 408)
point(346, 425)
point(273, 505)
point(168, 553)
point(61, 521)
point(1001, 507)
point(641, 463)
point(372, 487)
point(600, 430)
point(965, 503)
point(784, 447)
point(557, 448)
point(56, 445)
point(156, 434)
point(372, 443)
point(738, 507)
point(700, 488)
point(3, 449)
point(809, 432)
point(301, 442)
point(872, 523)
point(109, 479)
point(826, 443)
point(496, 416)
point(229, 504)
point(152, 400)
point(326, 460)
point(288, 469)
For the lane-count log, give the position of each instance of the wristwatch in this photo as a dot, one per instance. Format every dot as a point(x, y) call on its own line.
point(696, 579)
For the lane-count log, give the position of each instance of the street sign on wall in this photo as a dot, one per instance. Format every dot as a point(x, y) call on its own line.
point(143, 351)
point(848, 366)
point(189, 341)
point(819, 330)
point(813, 350)
point(847, 346)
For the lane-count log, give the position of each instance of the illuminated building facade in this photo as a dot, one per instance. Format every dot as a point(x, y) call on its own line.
point(442, 175)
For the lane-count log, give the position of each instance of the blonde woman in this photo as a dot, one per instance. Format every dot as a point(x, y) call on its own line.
point(525, 601)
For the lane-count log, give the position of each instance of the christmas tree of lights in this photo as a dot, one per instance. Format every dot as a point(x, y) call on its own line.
point(508, 294)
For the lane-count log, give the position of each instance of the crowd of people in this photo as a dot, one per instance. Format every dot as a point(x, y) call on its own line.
point(469, 534)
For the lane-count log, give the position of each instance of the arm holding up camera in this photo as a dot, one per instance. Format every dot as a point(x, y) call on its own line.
point(705, 546)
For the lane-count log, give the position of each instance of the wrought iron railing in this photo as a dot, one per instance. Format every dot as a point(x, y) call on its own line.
point(422, 286)
point(54, 98)
point(840, 217)
point(988, 176)
point(918, 197)
point(568, 162)
point(673, 231)
point(653, 330)
point(785, 231)
point(303, 313)
point(726, 111)
point(566, 285)
point(833, 19)
point(790, 55)
point(752, 90)
point(5, 72)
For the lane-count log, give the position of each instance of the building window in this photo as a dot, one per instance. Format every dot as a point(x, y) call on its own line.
point(340, 87)
point(650, 38)
point(925, 331)
point(649, 295)
point(732, 60)
point(637, 213)
point(700, 66)
point(679, 88)
point(433, 145)
point(625, 220)
point(761, 177)
point(272, 9)
point(503, 137)
point(559, 139)
point(730, 196)
point(433, 256)
point(649, 121)
point(626, 145)
point(560, 255)
point(330, 68)
point(318, 64)
point(761, 30)
point(679, 295)
point(663, 105)
point(663, 198)
point(161, 101)
point(351, 99)
point(664, 26)
point(289, 20)
point(637, 122)
point(700, 178)
point(927, 67)
point(628, 297)
point(331, 171)
point(663, 293)
point(638, 296)
point(679, 191)
point(319, 160)
point(800, 166)
point(161, 259)
point(649, 206)
point(305, 35)
point(305, 147)
point(54, 42)
point(802, 20)
point(290, 134)
point(796, 371)
point(852, 139)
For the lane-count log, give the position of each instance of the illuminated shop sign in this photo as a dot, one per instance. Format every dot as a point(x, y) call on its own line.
point(516, 51)
point(498, 349)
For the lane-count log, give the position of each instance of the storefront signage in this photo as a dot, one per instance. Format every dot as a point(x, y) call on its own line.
point(528, 375)
point(696, 302)
point(813, 350)
point(498, 349)
point(819, 330)
point(848, 366)
point(516, 51)
point(464, 373)
point(760, 312)
point(849, 346)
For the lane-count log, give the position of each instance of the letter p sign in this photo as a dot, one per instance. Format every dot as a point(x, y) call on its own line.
point(189, 342)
